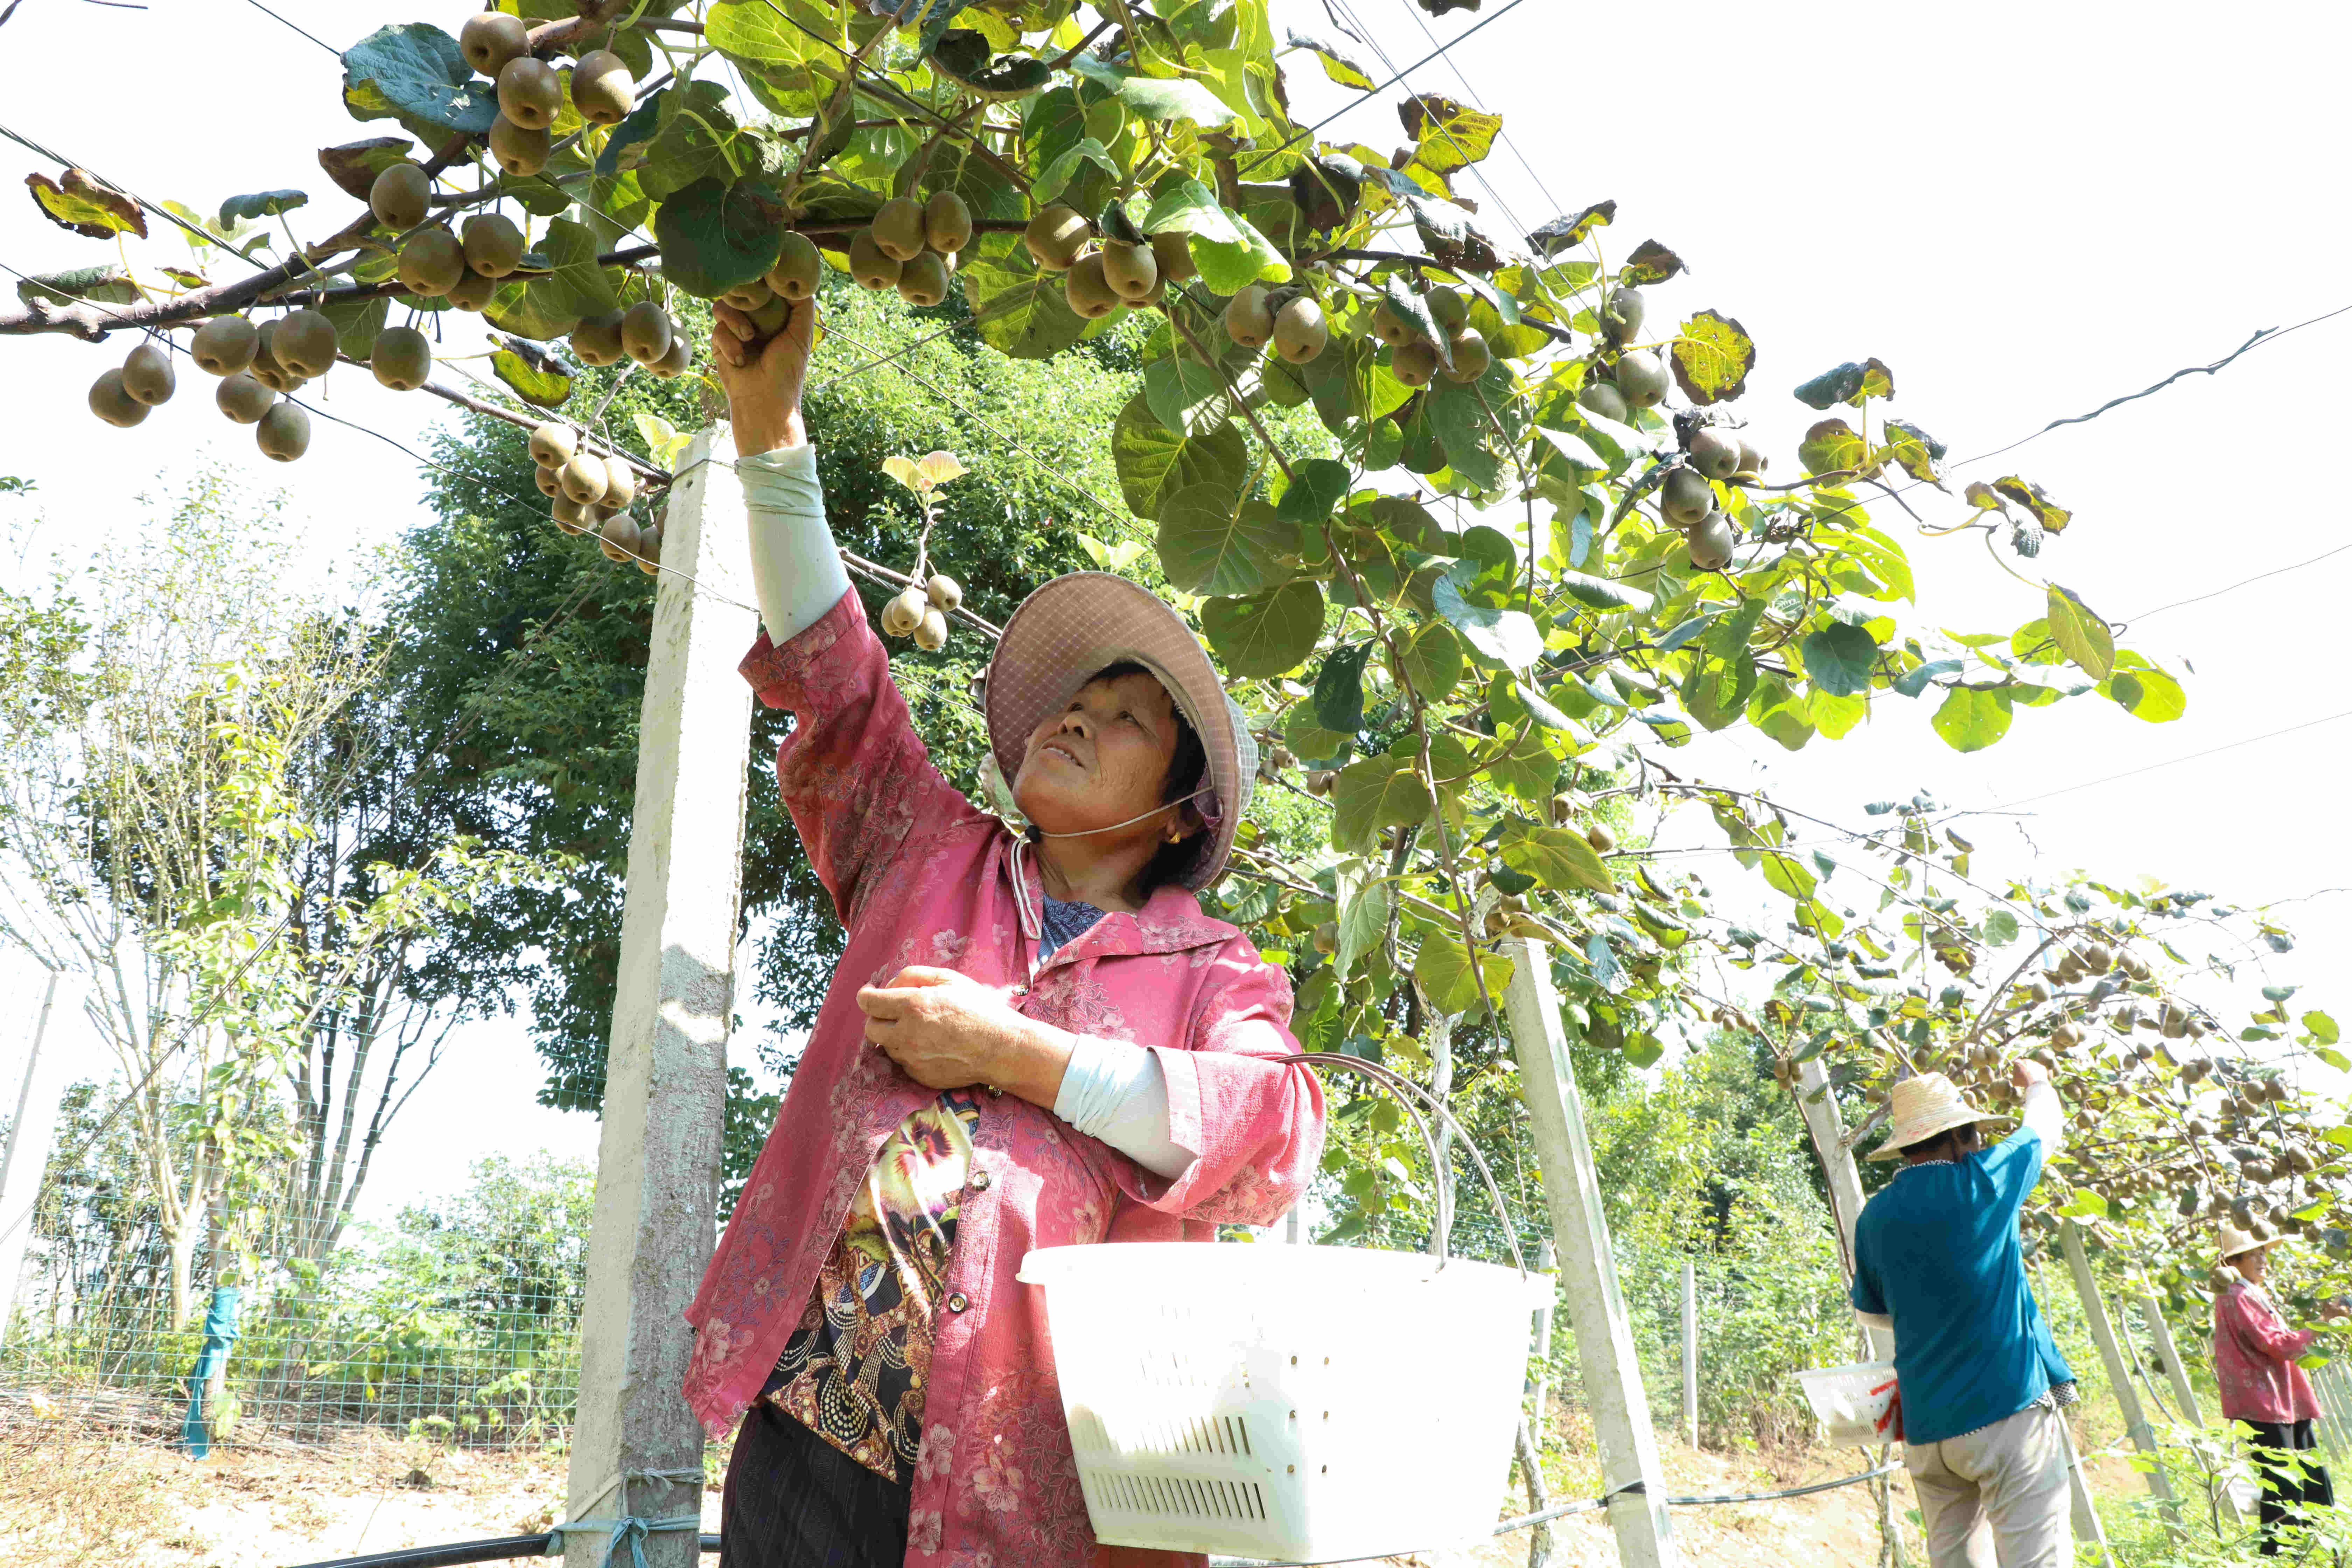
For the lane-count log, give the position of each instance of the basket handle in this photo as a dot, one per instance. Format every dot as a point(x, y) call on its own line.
point(1406, 1092)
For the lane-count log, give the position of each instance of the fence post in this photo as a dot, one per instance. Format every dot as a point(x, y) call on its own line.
point(2103, 1333)
point(1547, 1260)
point(1827, 1128)
point(1630, 1476)
point(2184, 1392)
point(31, 1133)
point(1690, 1354)
point(657, 1159)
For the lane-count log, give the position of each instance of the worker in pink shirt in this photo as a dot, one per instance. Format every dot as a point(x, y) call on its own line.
point(2254, 1355)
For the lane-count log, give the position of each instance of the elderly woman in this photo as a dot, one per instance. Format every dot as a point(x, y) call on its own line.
point(1029, 1042)
point(2254, 1355)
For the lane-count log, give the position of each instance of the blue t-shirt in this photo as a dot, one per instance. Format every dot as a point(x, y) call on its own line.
point(1937, 1250)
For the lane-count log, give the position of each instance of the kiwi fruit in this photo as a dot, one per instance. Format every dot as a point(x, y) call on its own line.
point(603, 90)
point(1131, 269)
point(305, 344)
point(649, 548)
point(905, 612)
point(549, 485)
point(1300, 332)
point(618, 537)
point(1471, 357)
point(1326, 937)
point(1055, 236)
point(750, 296)
point(431, 262)
point(620, 482)
point(520, 150)
point(899, 228)
point(111, 402)
point(401, 358)
point(583, 477)
point(1391, 328)
point(677, 362)
point(770, 317)
point(1687, 496)
point(1640, 378)
point(401, 196)
point(224, 345)
point(870, 264)
point(947, 223)
point(943, 591)
point(147, 375)
point(1752, 463)
point(493, 244)
point(283, 433)
point(931, 631)
point(569, 514)
point(597, 339)
point(1249, 318)
point(1088, 288)
point(242, 398)
point(924, 280)
point(1711, 543)
point(490, 39)
point(1715, 453)
point(1413, 364)
point(645, 332)
point(1173, 254)
point(794, 275)
point(1621, 316)
point(1603, 842)
point(1600, 397)
point(530, 92)
point(472, 291)
point(1448, 309)
point(264, 368)
point(552, 444)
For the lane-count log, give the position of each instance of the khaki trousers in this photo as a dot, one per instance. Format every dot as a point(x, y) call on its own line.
point(1996, 1497)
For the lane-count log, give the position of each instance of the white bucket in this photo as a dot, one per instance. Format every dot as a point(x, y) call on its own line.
point(1286, 1401)
point(1852, 1401)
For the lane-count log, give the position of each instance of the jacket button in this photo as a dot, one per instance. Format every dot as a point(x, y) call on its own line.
point(980, 1181)
point(959, 1301)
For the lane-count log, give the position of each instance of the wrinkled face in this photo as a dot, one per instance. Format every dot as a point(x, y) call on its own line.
point(1102, 760)
point(2254, 1265)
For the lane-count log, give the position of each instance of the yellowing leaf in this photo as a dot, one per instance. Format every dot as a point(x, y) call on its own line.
point(903, 471)
point(937, 468)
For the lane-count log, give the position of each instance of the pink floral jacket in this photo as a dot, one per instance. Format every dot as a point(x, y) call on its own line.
point(2254, 1360)
point(918, 876)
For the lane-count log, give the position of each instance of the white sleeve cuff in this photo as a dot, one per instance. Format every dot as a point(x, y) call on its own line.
point(2046, 1115)
point(1874, 1320)
point(795, 565)
point(1118, 1092)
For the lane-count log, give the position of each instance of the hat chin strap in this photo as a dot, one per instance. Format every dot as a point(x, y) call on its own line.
point(1131, 821)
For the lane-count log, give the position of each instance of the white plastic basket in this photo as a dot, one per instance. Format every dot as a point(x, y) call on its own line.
point(1852, 1401)
point(1286, 1401)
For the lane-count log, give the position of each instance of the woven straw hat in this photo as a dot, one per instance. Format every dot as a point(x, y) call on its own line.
point(2236, 1242)
point(1925, 1106)
point(1082, 621)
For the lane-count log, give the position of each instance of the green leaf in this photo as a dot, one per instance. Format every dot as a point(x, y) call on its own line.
point(1184, 394)
point(1604, 593)
point(2035, 500)
point(1848, 384)
point(1839, 658)
point(1914, 451)
point(1023, 314)
point(1210, 543)
point(1363, 925)
point(105, 285)
point(1316, 485)
point(415, 72)
point(1264, 633)
point(760, 33)
point(87, 204)
point(1505, 637)
point(1448, 135)
point(1433, 661)
point(1717, 687)
point(1160, 99)
point(575, 285)
point(357, 323)
point(1187, 206)
point(1712, 358)
point(1829, 446)
point(354, 166)
point(1559, 858)
point(1443, 970)
point(2085, 1205)
point(260, 204)
point(1650, 263)
point(1558, 234)
point(2323, 1028)
point(542, 384)
point(1155, 462)
point(2084, 636)
point(1969, 719)
point(1337, 64)
point(714, 236)
point(1248, 258)
point(1340, 690)
point(1373, 793)
point(2001, 928)
point(2143, 690)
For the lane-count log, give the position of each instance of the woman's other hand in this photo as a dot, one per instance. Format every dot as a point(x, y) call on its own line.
point(763, 373)
point(946, 1030)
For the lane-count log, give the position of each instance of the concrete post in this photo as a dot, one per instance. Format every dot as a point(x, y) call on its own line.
point(2119, 1378)
point(31, 1134)
point(2184, 1392)
point(1690, 1354)
point(1827, 1128)
point(1630, 1476)
point(665, 1071)
point(1547, 1260)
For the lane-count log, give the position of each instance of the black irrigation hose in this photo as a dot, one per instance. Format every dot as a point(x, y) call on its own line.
point(504, 1549)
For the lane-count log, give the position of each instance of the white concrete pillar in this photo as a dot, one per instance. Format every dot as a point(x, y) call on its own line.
point(1547, 1260)
point(1690, 1354)
point(1630, 1472)
point(658, 1161)
point(32, 1134)
point(2119, 1378)
point(1818, 1102)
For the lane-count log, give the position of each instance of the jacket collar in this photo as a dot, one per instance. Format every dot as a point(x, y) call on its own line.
point(1170, 921)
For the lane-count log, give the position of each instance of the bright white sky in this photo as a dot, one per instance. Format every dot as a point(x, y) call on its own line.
point(2025, 210)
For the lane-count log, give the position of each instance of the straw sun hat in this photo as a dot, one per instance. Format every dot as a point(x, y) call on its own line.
point(1925, 1106)
point(2235, 1242)
point(1077, 623)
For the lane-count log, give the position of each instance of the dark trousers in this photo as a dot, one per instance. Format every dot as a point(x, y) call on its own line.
point(2283, 1489)
point(794, 1500)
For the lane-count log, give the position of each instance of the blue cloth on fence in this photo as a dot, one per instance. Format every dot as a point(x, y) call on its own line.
point(1937, 1250)
point(220, 1334)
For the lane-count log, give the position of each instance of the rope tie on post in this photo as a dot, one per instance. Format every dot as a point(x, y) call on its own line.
point(629, 1529)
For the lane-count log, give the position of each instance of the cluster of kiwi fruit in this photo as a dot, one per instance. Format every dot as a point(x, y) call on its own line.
point(1103, 278)
point(432, 261)
point(921, 611)
point(1687, 496)
point(1635, 378)
point(1413, 358)
point(1290, 318)
point(530, 92)
point(643, 332)
point(591, 493)
point(911, 246)
point(256, 364)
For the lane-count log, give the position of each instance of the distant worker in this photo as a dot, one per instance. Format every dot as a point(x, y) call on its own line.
point(1937, 1260)
point(2254, 1355)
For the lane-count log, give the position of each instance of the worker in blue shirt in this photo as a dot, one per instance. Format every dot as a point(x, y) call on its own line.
point(1982, 1385)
